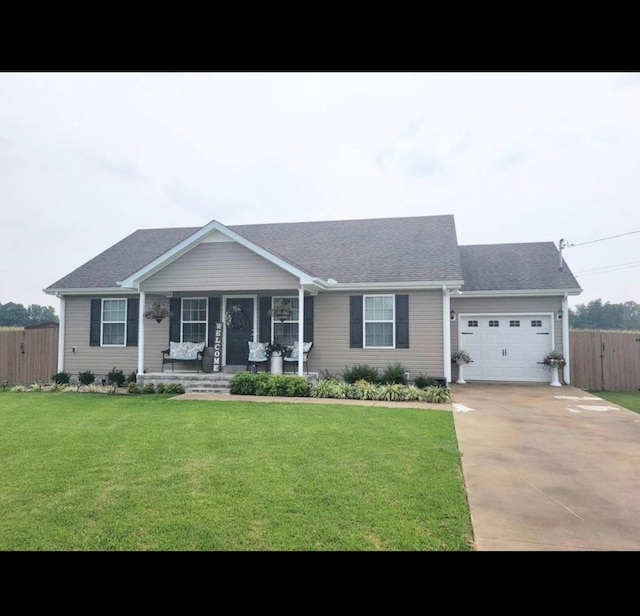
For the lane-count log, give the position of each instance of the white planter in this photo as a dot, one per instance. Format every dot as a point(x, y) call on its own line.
point(276, 363)
point(554, 377)
point(461, 365)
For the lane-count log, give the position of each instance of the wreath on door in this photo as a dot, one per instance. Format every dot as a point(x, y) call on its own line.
point(236, 318)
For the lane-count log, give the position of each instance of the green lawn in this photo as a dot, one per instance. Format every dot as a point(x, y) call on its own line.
point(629, 399)
point(115, 472)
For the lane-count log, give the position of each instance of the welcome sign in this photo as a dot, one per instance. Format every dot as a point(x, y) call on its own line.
point(217, 346)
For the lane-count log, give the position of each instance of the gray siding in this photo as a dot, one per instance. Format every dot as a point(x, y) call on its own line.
point(99, 360)
point(331, 349)
point(492, 305)
point(222, 266)
point(156, 338)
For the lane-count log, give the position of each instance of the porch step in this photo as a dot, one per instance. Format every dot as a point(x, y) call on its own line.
point(193, 382)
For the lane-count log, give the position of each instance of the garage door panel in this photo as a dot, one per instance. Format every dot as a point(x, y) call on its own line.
point(507, 347)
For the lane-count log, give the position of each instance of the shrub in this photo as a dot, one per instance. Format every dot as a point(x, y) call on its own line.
point(134, 388)
point(160, 388)
point(422, 381)
point(437, 394)
point(61, 378)
point(326, 388)
point(360, 373)
point(133, 377)
point(363, 390)
point(116, 377)
point(87, 377)
point(174, 388)
point(394, 373)
point(148, 388)
point(393, 392)
point(244, 384)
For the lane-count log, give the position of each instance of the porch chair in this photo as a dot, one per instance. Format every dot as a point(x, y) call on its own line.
point(257, 355)
point(292, 358)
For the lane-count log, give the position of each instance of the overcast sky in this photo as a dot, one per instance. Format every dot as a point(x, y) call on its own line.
point(88, 158)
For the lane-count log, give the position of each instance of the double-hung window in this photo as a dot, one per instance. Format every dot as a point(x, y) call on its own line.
point(379, 321)
point(194, 319)
point(114, 322)
point(286, 332)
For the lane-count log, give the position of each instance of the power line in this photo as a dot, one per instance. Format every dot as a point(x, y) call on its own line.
point(610, 268)
point(602, 239)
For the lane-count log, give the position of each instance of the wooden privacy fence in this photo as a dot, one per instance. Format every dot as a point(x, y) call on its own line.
point(29, 354)
point(605, 360)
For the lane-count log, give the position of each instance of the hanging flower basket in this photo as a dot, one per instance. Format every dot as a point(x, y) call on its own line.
point(158, 312)
point(280, 311)
point(461, 357)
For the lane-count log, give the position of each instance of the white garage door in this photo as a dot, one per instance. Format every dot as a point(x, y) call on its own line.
point(505, 347)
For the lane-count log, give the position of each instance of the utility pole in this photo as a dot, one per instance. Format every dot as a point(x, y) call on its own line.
point(561, 244)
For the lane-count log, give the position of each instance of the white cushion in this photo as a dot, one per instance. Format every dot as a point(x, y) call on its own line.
point(294, 353)
point(257, 351)
point(185, 350)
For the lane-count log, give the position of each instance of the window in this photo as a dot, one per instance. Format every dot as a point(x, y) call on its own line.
point(286, 332)
point(194, 319)
point(379, 321)
point(472, 323)
point(114, 322)
point(514, 323)
point(494, 323)
point(536, 323)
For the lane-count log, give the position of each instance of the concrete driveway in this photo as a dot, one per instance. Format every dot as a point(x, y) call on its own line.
point(548, 468)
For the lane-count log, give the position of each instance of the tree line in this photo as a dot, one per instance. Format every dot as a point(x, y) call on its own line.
point(18, 315)
point(596, 315)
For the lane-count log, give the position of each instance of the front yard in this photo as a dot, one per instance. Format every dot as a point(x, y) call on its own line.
point(629, 399)
point(87, 472)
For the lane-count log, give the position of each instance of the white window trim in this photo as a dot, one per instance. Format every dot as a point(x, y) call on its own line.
point(102, 321)
point(364, 321)
point(206, 321)
point(275, 298)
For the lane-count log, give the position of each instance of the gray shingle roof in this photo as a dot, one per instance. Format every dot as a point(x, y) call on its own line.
point(422, 248)
point(514, 267)
point(384, 250)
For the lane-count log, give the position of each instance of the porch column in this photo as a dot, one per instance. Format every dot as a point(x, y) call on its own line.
point(141, 310)
point(300, 331)
point(446, 333)
point(61, 328)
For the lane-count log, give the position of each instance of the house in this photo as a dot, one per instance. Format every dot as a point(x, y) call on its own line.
point(376, 291)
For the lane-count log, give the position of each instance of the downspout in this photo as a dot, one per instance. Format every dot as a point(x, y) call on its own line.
point(141, 311)
point(61, 333)
point(300, 331)
point(566, 375)
point(446, 333)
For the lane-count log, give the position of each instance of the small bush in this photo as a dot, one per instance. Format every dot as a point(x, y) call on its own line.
point(437, 394)
point(160, 388)
point(360, 373)
point(116, 377)
point(174, 388)
point(394, 373)
point(422, 381)
point(244, 384)
point(148, 388)
point(134, 388)
point(133, 377)
point(249, 384)
point(61, 378)
point(87, 377)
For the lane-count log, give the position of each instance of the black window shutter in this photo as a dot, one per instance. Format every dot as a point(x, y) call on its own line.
point(94, 326)
point(264, 319)
point(214, 316)
point(175, 306)
point(402, 321)
point(308, 319)
point(355, 320)
point(133, 304)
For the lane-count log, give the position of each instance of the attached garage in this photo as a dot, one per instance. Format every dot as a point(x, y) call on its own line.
point(506, 347)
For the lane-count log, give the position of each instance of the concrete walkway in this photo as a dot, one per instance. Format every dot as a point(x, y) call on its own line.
point(546, 468)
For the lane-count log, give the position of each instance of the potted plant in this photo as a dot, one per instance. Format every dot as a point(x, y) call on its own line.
point(274, 352)
point(158, 312)
point(280, 311)
point(552, 362)
point(462, 358)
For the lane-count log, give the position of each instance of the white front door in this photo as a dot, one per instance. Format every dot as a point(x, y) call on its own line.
point(506, 347)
